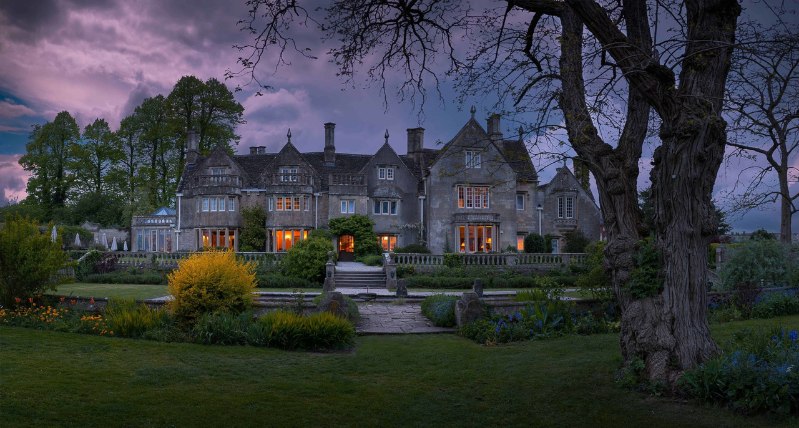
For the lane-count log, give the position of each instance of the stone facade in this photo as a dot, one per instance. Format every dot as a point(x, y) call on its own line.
point(478, 193)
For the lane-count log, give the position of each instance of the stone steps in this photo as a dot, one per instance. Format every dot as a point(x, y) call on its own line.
point(360, 279)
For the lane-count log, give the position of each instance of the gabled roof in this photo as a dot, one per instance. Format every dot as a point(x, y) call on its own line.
point(346, 163)
point(165, 211)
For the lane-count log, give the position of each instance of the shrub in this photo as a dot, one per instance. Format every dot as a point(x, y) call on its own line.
point(594, 283)
point(776, 304)
point(360, 227)
point(306, 259)
point(413, 248)
point(88, 265)
point(769, 261)
point(352, 311)
point(29, 260)
point(440, 309)
point(534, 243)
point(405, 271)
point(576, 242)
point(126, 278)
point(282, 281)
point(548, 243)
point(754, 375)
point(128, 319)
point(253, 231)
point(452, 260)
point(277, 329)
point(371, 260)
point(208, 282)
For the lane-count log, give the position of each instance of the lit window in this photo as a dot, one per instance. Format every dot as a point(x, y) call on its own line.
point(520, 242)
point(280, 204)
point(520, 202)
point(390, 173)
point(287, 204)
point(231, 203)
point(205, 204)
point(560, 207)
point(469, 196)
point(460, 197)
point(387, 242)
point(472, 159)
point(569, 207)
point(297, 204)
point(381, 173)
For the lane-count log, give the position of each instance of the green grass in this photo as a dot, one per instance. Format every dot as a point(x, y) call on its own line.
point(120, 291)
point(61, 379)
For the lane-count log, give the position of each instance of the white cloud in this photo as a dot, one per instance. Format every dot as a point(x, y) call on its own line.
point(10, 109)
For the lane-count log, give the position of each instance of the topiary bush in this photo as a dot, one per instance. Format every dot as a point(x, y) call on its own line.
point(282, 281)
point(306, 259)
point(413, 248)
point(440, 308)
point(534, 243)
point(576, 242)
point(209, 282)
point(126, 278)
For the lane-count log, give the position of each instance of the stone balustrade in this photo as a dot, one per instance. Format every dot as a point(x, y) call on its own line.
point(520, 260)
point(146, 259)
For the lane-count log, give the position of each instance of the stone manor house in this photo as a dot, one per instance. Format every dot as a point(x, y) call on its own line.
point(477, 193)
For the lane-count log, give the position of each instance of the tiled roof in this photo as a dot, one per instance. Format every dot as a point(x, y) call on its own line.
point(253, 165)
point(518, 157)
point(346, 163)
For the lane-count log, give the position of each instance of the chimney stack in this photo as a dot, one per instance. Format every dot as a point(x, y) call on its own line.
point(330, 143)
point(415, 142)
point(494, 127)
point(192, 151)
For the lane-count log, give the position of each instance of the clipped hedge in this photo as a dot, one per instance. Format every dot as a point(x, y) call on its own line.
point(282, 281)
point(126, 278)
point(464, 283)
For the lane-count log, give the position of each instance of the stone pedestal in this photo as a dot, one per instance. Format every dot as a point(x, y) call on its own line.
point(391, 271)
point(477, 287)
point(468, 309)
point(329, 285)
point(334, 303)
point(402, 288)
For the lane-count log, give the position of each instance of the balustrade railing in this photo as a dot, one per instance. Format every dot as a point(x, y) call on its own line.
point(143, 259)
point(347, 179)
point(153, 220)
point(219, 180)
point(289, 179)
point(521, 260)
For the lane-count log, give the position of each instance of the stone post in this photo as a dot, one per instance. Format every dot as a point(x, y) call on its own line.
point(334, 303)
point(402, 288)
point(330, 272)
point(721, 253)
point(390, 269)
point(477, 287)
point(468, 309)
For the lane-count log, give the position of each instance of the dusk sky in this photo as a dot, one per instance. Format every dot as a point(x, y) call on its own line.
point(101, 58)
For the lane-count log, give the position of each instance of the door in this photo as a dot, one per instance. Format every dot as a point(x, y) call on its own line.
point(346, 246)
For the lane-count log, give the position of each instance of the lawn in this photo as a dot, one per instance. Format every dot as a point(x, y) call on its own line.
point(61, 379)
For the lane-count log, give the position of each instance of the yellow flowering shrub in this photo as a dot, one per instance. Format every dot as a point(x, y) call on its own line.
point(210, 282)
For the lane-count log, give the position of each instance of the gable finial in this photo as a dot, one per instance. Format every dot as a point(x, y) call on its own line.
point(289, 135)
point(473, 111)
point(386, 136)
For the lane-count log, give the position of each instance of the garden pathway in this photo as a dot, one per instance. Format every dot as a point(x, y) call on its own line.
point(377, 318)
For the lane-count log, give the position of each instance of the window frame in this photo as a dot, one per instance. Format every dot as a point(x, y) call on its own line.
point(271, 204)
point(569, 207)
point(473, 159)
point(520, 207)
point(561, 208)
point(381, 173)
point(346, 204)
point(231, 203)
point(390, 174)
point(279, 206)
point(297, 206)
point(206, 205)
point(221, 204)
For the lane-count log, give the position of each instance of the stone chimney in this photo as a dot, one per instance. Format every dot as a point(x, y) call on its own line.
point(494, 127)
point(330, 143)
point(192, 151)
point(415, 143)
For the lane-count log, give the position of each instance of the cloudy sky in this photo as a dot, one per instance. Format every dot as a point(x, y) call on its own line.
point(101, 58)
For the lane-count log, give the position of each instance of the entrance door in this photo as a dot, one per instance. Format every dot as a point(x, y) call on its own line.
point(346, 245)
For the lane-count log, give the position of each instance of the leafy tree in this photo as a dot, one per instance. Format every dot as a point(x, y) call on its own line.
point(594, 282)
point(28, 260)
point(576, 242)
point(253, 232)
point(47, 158)
point(92, 161)
point(360, 227)
point(762, 235)
point(767, 260)
point(156, 146)
point(307, 258)
point(534, 243)
point(106, 208)
point(127, 169)
point(183, 111)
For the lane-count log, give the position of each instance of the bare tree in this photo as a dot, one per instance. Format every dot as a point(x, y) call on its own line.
point(763, 105)
point(538, 48)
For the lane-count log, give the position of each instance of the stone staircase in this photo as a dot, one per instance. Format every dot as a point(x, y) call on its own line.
point(375, 279)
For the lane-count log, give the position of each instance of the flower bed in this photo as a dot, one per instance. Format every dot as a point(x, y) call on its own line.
point(756, 374)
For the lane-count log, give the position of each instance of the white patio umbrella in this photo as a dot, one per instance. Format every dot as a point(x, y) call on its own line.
point(77, 240)
point(125, 246)
point(114, 244)
point(105, 241)
point(54, 235)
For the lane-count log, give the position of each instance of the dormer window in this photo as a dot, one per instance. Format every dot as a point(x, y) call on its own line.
point(389, 173)
point(288, 174)
point(385, 173)
point(217, 172)
point(381, 173)
point(473, 159)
